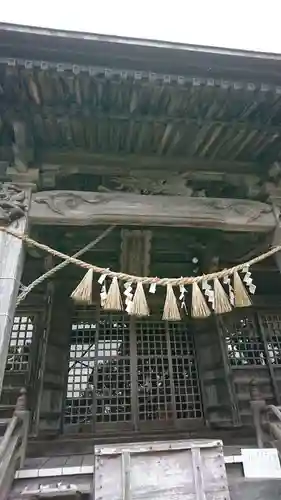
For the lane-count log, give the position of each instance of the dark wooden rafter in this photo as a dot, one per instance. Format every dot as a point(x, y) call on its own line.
point(212, 138)
point(169, 121)
point(104, 163)
point(68, 111)
point(198, 119)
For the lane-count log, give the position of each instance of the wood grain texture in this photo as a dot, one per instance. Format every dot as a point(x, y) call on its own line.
point(135, 252)
point(86, 208)
point(11, 266)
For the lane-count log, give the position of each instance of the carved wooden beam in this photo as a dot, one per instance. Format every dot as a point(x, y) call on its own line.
point(87, 208)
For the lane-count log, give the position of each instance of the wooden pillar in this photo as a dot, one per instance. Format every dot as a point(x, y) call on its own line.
point(220, 406)
point(14, 206)
point(55, 354)
point(276, 203)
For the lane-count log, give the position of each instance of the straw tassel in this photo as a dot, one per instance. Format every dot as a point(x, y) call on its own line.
point(139, 305)
point(83, 293)
point(171, 310)
point(241, 297)
point(113, 301)
point(221, 302)
point(199, 308)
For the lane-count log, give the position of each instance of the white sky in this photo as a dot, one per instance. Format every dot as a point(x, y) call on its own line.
point(241, 24)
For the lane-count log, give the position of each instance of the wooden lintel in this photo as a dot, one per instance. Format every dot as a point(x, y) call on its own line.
point(48, 178)
point(88, 208)
point(82, 161)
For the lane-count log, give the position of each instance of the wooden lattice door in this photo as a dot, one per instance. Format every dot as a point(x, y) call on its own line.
point(252, 342)
point(21, 359)
point(130, 375)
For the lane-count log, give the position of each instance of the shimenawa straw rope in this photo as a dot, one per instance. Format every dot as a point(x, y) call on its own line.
point(113, 299)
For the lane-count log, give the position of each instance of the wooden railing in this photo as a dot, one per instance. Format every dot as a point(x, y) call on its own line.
point(13, 444)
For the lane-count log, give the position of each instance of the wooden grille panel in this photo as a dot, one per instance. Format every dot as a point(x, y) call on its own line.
point(130, 372)
point(20, 343)
point(271, 324)
point(244, 343)
point(185, 376)
point(253, 342)
point(99, 357)
point(154, 384)
point(113, 383)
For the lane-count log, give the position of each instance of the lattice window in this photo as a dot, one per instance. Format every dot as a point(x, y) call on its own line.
point(271, 324)
point(243, 340)
point(185, 376)
point(154, 384)
point(20, 343)
point(99, 357)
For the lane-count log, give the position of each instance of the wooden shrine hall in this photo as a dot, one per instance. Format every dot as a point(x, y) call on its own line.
point(164, 161)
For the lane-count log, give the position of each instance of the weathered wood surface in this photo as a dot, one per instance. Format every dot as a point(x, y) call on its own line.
point(86, 208)
point(11, 266)
point(135, 251)
point(162, 115)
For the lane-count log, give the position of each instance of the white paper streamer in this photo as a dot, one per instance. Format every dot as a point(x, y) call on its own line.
point(103, 295)
point(209, 292)
point(152, 288)
point(182, 292)
point(183, 306)
point(102, 278)
point(248, 280)
point(129, 306)
point(182, 297)
point(103, 292)
point(128, 296)
point(227, 281)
